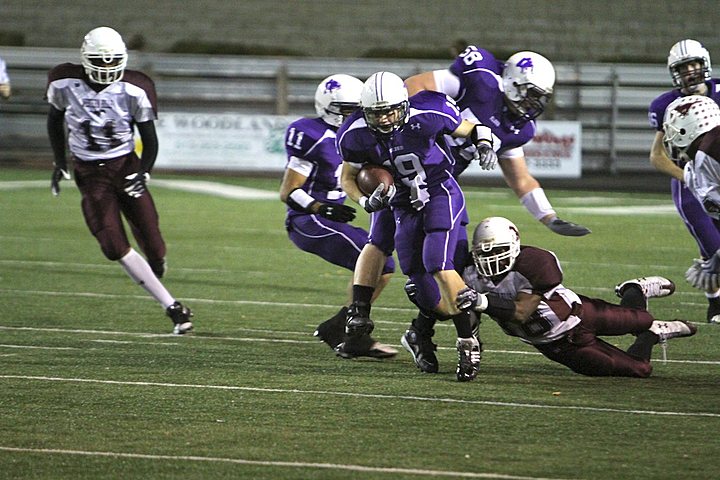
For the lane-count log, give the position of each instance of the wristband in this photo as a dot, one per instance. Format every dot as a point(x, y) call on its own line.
point(300, 200)
point(362, 201)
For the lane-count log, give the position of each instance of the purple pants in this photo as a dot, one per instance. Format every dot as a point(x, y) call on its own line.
point(336, 242)
point(702, 227)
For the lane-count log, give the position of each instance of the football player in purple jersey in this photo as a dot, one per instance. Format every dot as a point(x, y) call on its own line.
point(5, 88)
point(690, 69)
point(520, 287)
point(507, 97)
point(406, 135)
point(692, 135)
point(317, 218)
point(101, 102)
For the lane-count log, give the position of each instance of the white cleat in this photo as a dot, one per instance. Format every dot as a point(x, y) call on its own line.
point(674, 329)
point(651, 287)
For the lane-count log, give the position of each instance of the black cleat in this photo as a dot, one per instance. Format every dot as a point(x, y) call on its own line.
point(180, 316)
point(358, 321)
point(421, 348)
point(469, 355)
point(568, 229)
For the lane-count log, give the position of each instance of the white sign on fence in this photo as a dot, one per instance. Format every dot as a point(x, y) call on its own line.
point(243, 142)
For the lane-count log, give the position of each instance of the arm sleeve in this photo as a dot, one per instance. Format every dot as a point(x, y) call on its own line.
point(56, 132)
point(148, 135)
point(447, 83)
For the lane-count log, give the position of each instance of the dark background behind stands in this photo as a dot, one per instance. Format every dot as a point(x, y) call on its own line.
point(571, 33)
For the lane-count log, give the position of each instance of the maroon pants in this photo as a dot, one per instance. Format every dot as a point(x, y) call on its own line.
point(104, 200)
point(583, 352)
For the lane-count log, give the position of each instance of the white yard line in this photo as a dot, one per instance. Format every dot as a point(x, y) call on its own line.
point(271, 463)
point(376, 396)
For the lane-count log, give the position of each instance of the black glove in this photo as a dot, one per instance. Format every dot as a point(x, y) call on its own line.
point(135, 184)
point(58, 174)
point(336, 212)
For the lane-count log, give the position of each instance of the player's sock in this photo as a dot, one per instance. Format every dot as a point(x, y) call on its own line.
point(139, 270)
point(644, 343)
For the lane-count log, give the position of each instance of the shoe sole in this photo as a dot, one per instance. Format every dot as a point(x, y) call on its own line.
point(182, 328)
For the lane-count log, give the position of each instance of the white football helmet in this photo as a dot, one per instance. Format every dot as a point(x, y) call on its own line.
point(496, 245)
point(686, 118)
point(336, 97)
point(528, 80)
point(104, 55)
point(385, 103)
point(683, 53)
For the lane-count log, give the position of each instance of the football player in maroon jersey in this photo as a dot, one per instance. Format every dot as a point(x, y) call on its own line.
point(101, 102)
point(520, 287)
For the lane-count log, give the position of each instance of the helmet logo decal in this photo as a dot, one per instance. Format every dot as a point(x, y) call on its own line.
point(525, 63)
point(331, 85)
point(685, 108)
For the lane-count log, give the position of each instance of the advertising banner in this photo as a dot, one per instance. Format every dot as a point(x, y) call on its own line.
point(243, 142)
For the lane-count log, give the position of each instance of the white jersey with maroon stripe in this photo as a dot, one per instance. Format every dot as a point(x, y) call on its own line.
point(100, 124)
point(536, 271)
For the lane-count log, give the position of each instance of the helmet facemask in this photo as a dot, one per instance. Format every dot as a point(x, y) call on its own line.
point(496, 245)
point(528, 101)
point(690, 75)
point(385, 103)
point(104, 56)
point(689, 65)
point(386, 120)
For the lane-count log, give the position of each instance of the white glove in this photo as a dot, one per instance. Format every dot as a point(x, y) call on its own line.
point(469, 299)
point(378, 200)
point(419, 195)
point(705, 274)
point(135, 184)
point(481, 137)
point(486, 156)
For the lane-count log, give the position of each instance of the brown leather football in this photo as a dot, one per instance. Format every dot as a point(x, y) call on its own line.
point(370, 176)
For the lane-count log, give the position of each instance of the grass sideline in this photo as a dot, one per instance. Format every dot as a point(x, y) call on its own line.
point(93, 386)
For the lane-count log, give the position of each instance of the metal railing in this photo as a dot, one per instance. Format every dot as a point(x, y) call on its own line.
point(610, 100)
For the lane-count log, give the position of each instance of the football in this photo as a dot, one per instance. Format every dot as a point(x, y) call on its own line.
point(370, 176)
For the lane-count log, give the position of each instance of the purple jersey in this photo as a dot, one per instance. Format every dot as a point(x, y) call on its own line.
point(418, 149)
point(656, 112)
point(310, 147)
point(481, 98)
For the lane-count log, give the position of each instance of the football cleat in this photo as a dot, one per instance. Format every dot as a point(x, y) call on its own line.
point(715, 320)
point(672, 329)
point(364, 346)
point(469, 355)
point(332, 331)
point(421, 348)
point(358, 321)
point(651, 287)
point(180, 315)
point(713, 311)
point(568, 229)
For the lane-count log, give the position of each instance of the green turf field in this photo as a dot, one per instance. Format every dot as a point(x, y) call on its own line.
point(92, 385)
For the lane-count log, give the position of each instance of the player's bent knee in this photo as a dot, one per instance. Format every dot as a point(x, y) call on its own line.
point(113, 244)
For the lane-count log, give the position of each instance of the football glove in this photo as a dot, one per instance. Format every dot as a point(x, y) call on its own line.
point(705, 274)
point(419, 195)
point(135, 184)
point(58, 174)
point(469, 299)
point(336, 212)
point(378, 200)
point(486, 156)
point(481, 137)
